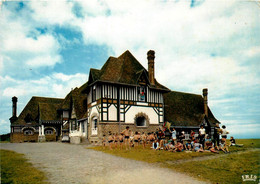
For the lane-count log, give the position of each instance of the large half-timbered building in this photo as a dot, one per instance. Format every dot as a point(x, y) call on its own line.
point(122, 93)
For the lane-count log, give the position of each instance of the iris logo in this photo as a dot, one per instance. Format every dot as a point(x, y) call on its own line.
point(249, 177)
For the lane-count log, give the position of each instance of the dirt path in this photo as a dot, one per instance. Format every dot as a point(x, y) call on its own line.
point(213, 156)
point(67, 163)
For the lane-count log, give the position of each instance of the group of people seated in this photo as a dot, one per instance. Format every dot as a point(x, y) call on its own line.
point(160, 141)
point(194, 145)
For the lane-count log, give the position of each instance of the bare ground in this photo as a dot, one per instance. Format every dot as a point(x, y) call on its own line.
point(67, 163)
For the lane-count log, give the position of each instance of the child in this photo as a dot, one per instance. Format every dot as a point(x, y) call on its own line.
point(173, 132)
point(136, 139)
point(197, 146)
point(110, 140)
point(161, 137)
point(188, 145)
point(170, 146)
point(233, 142)
point(192, 142)
point(223, 147)
point(209, 145)
point(179, 146)
point(121, 140)
point(131, 138)
point(127, 134)
point(152, 138)
point(143, 138)
point(116, 140)
point(208, 142)
point(202, 133)
point(224, 133)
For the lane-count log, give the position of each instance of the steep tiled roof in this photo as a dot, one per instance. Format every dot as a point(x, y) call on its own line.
point(79, 99)
point(124, 69)
point(184, 109)
point(40, 108)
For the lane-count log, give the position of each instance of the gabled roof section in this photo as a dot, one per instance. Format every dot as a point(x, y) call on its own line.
point(78, 98)
point(142, 76)
point(184, 109)
point(94, 75)
point(124, 69)
point(37, 105)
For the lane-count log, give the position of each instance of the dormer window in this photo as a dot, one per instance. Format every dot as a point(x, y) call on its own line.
point(65, 114)
point(142, 94)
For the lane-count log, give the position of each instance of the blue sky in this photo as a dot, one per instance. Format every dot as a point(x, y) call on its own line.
point(48, 47)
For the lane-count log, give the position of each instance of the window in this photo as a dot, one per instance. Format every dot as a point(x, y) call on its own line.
point(73, 125)
point(65, 114)
point(140, 121)
point(48, 132)
point(83, 126)
point(28, 132)
point(94, 93)
point(95, 123)
point(94, 126)
point(142, 94)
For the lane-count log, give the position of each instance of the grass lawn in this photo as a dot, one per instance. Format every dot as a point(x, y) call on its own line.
point(226, 169)
point(16, 169)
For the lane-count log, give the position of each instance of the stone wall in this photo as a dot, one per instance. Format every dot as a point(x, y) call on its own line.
point(50, 137)
point(105, 128)
point(20, 137)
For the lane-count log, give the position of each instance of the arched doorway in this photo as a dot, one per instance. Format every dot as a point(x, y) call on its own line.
point(141, 120)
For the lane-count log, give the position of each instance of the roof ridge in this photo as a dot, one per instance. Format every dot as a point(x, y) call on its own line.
point(185, 93)
point(47, 97)
point(94, 69)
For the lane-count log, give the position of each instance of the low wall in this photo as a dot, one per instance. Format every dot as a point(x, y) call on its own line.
point(20, 137)
point(75, 140)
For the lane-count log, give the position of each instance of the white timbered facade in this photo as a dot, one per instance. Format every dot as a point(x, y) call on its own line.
point(114, 103)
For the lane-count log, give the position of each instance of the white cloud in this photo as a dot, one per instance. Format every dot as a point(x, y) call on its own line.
point(252, 51)
point(53, 85)
point(43, 61)
point(94, 8)
point(1, 64)
point(195, 48)
point(13, 91)
point(5, 127)
point(52, 12)
point(23, 45)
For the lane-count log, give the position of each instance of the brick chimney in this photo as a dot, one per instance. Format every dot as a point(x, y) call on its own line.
point(205, 96)
point(14, 100)
point(14, 117)
point(150, 57)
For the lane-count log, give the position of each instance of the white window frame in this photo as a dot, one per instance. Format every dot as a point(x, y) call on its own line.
point(94, 126)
